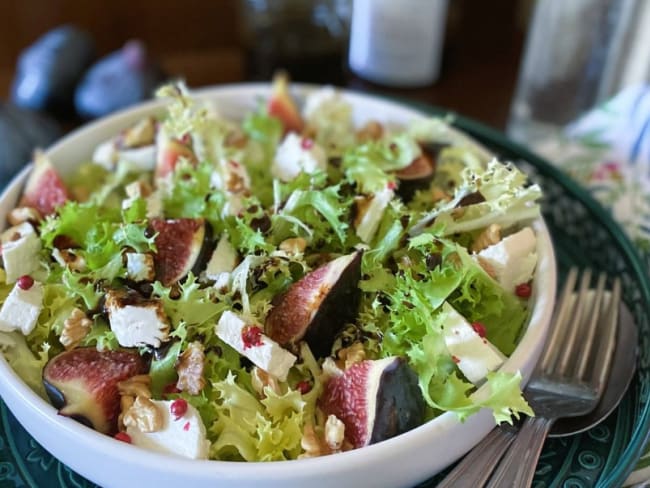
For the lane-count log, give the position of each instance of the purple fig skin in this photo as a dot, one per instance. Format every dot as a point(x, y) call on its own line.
point(315, 308)
point(49, 69)
point(375, 399)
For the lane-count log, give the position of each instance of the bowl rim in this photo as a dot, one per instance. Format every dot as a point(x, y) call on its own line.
point(350, 460)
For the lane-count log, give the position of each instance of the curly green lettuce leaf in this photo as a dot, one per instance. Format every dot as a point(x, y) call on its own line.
point(368, 165)
point(197, 307)
point(191, 195)
point(324, 211)
point(254, 430)
point(508, 200)
point(27, 364)
point(479, 298)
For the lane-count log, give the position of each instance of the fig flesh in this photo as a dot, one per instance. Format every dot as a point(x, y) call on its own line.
point(82, 384)
point(182, 245)
point(45, 190)
point(169, 152)
point(375, 399)
point(282, 107)
point(316, 307)
point(416, 176)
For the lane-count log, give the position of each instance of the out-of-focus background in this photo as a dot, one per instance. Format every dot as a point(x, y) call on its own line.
point(203, 42)
point(526, 66)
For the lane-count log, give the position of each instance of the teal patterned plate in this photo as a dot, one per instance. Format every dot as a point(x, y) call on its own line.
point(584, 234)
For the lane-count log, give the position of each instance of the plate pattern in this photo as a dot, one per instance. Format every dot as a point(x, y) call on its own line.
point(584, 234)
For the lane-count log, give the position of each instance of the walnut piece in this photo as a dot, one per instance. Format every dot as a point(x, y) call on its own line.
point(144, 415)
point(334, 433)
point(312, 444)
point(490, 235)
point(20, 215)
point(138, 386)
point(351, 355)
point(295, 245)
point(141, 134)
point(371, 131)
point(261, 379)
point(75, 328)
point(190, 369)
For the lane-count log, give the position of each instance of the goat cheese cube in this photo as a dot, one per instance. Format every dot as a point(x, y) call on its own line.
point(265, 354)
point(513, 259)
point(185, 436)
point(294, 156)
point(474, 355)
point(20, 249)
point(369, 213)
point(140, 266)
point(222, 262)
point(143, 158)
point(106, 155)
point(21, 309)
point(136, 322)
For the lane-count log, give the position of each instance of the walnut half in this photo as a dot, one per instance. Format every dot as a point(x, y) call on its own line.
point(144, 415)
point(190, 369)
point(75, 328)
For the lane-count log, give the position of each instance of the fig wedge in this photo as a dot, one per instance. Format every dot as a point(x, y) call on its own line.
point(416, 176)
point(82, 384)
point(182, 245)
point(282, 107)
point(375, 399)
point(315, 308)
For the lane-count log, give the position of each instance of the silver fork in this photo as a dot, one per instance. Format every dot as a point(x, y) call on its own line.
point(568, 382)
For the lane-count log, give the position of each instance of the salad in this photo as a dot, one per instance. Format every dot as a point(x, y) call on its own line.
point(282, 286)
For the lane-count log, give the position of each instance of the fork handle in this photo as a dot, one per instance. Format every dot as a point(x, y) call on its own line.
point(518, 466)
point(476, 467)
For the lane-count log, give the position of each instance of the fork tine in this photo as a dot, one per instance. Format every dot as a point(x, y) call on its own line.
point(567, 352)
point(608, 329)
point(592, 325)
point(565, 304)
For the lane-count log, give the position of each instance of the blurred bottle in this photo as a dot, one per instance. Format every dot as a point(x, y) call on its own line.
point(307, 38)
point(397, 43)
point(578, 53)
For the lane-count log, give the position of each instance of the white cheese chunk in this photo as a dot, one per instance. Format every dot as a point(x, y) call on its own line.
point(140, 266)
point(474, 355)
point(269, 355)
point(223, 261)
point(21, 309)
point(137, 325)
point(185, 436)
point(143, 158)
point(20, 250)
point(106, 155)
point(293, 157)
point(513, 259)
point(370, 213)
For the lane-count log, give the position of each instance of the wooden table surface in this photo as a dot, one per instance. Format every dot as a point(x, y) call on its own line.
point(481, 59)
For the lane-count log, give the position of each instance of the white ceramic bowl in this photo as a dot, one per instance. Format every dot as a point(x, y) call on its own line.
point(402, 461)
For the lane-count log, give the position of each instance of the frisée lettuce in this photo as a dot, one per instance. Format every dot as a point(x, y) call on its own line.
point(169, 245)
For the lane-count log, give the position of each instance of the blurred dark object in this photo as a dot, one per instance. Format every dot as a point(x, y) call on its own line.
point(21, 131)
point(49, 70)
point(122, 78)
point(306, 38)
